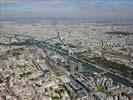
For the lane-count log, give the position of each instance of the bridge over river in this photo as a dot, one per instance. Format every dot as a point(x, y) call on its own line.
point(88, 66)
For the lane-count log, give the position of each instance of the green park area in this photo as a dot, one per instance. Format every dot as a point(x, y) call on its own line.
point(109, 65)
point(101, 89)
point(25, 74)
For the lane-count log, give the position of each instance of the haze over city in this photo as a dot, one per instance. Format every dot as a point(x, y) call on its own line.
point(66, 50)
point(100, 9)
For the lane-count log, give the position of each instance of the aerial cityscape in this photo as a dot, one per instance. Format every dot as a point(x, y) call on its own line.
point(66, 50)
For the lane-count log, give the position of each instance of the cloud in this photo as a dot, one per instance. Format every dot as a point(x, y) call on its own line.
point(9, 1)
point(93, 2)
point(31, 1)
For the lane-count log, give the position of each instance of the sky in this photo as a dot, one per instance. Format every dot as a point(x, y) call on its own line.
point(116, 9)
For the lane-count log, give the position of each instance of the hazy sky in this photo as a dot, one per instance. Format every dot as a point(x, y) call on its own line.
point(67, 8)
